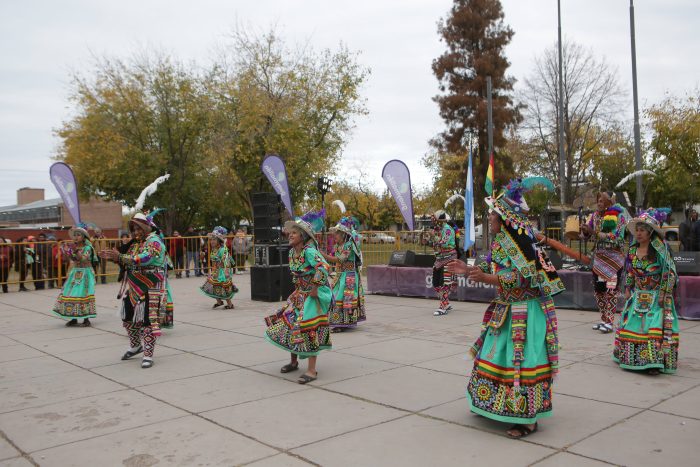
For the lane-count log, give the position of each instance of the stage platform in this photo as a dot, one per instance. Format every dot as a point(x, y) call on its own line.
point(417, 282)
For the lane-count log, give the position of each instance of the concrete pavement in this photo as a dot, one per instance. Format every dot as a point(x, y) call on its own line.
point(389, 393)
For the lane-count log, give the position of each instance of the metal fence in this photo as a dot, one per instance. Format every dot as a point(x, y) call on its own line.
point(40, 265)
point(34, 265)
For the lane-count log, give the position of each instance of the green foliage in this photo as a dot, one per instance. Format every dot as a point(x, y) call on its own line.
point(211, 129)
point(675, 151)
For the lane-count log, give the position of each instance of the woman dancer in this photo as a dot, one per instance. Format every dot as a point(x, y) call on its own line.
point(301, 326)
point(347, 289)
point(516, 355)
point(77, 298)
point(219, 283)
point(647, 339)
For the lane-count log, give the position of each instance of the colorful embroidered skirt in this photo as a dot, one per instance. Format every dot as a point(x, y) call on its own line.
point(638, 340)
point(490, 390)
point(349, 301)
point(302, 327)
point(219, 288)
point(77, 299)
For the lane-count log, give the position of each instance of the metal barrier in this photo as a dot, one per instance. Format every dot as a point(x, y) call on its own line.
point(42, 265)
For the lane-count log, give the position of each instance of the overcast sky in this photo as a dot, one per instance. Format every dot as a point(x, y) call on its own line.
point(43, 41)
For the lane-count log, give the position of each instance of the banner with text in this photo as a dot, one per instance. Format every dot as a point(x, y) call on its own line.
point(64, 181)
point(275, 171)
point(398, 179)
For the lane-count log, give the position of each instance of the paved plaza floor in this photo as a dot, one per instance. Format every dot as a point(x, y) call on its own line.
point(390, 393)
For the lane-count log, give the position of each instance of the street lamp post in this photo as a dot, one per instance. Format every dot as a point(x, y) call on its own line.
point(324, 186)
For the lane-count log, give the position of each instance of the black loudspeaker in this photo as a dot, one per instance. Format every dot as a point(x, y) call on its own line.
point(270, 283)
point(402, 258)
point(687, 263)
point(424, 260)
point(264, 198)
point(267, 217)
point(271, 255)
point(555, 258)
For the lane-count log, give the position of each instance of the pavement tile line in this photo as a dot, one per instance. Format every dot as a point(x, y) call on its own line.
point(406, 412)
point(651, 409)
point(23, 454)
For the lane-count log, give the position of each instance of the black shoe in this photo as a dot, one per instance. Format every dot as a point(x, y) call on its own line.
point(86, 323)
point(23, 289)
point(71, 323)
point(128, 354)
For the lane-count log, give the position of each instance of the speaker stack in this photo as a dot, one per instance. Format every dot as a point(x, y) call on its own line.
point(270, 279)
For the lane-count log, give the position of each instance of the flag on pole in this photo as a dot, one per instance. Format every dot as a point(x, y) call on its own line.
point(469, 229)
point(488, 184)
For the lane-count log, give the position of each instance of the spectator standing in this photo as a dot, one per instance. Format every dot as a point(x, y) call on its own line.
point(6, 258)
point(204, 253)
point(686, 232)
point(241, 249)
point(100, 243)
point(176, 248)
point(21, 262)
point(192, 243)
point(124, 245)
point(43, 253)
point(34, 263)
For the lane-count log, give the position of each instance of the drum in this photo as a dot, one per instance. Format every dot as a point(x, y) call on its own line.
point(571, 231)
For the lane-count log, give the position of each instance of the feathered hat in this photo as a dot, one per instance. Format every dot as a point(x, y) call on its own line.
point(346, 225)
point(311, 223)
point(145, 220)
point(219, 233)
point(80, 228)
point(441, 216)
point(652, 218)
point(510, 203)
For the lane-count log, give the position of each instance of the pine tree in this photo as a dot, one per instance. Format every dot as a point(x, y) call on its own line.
point(476, 37)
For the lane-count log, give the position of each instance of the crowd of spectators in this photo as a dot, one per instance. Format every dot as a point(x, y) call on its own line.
point(38, 263)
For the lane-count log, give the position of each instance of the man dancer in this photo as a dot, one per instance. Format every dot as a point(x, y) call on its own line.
point(443, 239)
point(606, 227)
point(144, 293)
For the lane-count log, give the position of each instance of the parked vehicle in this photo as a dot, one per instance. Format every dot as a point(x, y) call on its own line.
point(379, 237)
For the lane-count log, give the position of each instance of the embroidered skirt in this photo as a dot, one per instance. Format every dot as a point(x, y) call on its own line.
point(77, 299)
point(220, 288)
point(639, 340)
point(349, 301)
point(491, 390)
point(302, 324)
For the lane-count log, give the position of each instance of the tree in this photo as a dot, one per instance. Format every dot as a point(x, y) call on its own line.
point(675, 151)
point(476, 37)
point(295, 103)
point(592, 102)
point(210, 129)
point(136, 121)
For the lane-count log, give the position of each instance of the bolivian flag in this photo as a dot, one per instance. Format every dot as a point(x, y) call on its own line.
point(488, 184)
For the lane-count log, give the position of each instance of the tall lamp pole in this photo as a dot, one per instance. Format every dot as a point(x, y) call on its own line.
point(324, 186)
point(639, 199)
point(560, 112)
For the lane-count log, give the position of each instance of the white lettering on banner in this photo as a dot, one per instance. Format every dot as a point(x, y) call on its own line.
point(273, 179)
point(396, 192)
point(462, 281)
point(61, 183)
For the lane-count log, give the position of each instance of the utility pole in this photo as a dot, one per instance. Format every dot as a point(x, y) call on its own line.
point(639, 199)
point(560, 118)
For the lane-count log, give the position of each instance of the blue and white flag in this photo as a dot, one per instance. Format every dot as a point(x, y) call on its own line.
point(469, 228)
